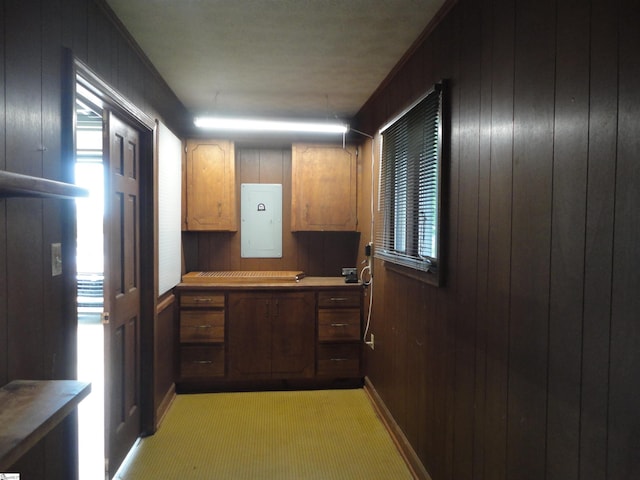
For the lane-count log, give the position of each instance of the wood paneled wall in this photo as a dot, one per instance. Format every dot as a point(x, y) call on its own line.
point(315, 253)
point(525, 365)
point(37, 311)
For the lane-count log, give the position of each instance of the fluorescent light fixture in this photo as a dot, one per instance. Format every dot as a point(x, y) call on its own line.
point(254, 125)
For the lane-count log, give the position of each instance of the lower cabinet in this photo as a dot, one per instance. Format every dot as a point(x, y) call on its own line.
point(202, 327)
point(271, 335)
point(247, 337)
point(197, 361)
point(339, 334)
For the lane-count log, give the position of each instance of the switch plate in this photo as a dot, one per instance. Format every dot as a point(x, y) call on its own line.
point(56, 259)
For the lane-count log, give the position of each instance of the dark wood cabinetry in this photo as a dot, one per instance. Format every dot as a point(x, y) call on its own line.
point(339, 333)
point(202, 335)
point(250, 335)
point(324, 188)
point(271, 335)
point(210, 186)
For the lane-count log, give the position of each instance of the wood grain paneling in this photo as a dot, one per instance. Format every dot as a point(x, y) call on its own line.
point(37, 310)
point(3, 220)
point(624, 392)
point(466, 318)
point(599, 240)
point(530, 344)
point(24, 155)
point(480, 433)
point(499, 247)
point(531, 238)
point(571, 127)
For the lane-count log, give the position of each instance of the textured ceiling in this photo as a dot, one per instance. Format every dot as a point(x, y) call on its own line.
point(284, 58)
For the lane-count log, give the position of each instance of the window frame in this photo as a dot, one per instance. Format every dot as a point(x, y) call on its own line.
point(409, 261)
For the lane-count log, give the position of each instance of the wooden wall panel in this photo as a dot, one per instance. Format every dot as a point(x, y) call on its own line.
point(599, 239)
point(499, 248)
point(531, 238)
point(530, 344)
point(103, 46)
point(165, 354)
point(480, 432)
point(624, 392)
point(468, 140)
point(25, 263)
point(4, 287)
point(54, 307)
point(571, 127)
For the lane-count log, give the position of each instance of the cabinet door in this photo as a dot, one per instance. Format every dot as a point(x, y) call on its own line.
point(249, 335)
point(324, 188)
point(210, 189)
point(292, 335)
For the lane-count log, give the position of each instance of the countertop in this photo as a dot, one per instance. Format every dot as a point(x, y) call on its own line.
point(315, 283)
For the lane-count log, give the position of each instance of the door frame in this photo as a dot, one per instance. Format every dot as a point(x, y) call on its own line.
point(82, 74)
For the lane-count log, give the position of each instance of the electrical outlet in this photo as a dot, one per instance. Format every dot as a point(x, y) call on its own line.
point(56, 259)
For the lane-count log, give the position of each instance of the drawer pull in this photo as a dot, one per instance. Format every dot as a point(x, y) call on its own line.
point(202, 362)
point(339, 324)
point(339, 359)
point(339, 299)
point(202, 326)
point(203, 299)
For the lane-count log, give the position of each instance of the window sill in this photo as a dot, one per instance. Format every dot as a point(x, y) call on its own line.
point(429, 278)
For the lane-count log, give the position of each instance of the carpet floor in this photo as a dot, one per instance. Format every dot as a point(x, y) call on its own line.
point(324, 434)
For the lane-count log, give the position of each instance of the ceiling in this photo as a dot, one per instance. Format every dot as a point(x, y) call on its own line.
point(277, 58)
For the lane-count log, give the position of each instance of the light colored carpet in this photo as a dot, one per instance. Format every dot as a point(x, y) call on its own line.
point(324, 434)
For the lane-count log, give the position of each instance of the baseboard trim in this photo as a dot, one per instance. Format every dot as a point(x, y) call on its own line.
point(402, 444)
point(166, 402)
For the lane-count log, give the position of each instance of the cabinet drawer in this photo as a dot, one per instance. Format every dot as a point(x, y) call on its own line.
point(202, 361)
point(202, 326)
point(339, 298)
point(338, 324)
point(202, 299)
point(339, 360)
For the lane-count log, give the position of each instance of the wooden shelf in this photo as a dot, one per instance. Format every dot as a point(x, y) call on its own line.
point(18, 185)
point(29, 409)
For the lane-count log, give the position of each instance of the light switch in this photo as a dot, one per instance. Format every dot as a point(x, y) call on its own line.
point(56, 259)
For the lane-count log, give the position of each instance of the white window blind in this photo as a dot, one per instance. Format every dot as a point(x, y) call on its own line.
point(408, 216)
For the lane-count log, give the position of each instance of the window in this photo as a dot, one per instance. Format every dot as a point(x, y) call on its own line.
point(408, 217)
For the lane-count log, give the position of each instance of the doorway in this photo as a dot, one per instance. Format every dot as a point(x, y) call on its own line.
point(114, 146)
point(89, 174)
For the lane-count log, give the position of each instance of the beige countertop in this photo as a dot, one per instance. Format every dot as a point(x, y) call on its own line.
point(266, 283)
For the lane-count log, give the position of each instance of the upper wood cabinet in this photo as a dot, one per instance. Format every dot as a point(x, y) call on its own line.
point(324, 188)
point(210, 186)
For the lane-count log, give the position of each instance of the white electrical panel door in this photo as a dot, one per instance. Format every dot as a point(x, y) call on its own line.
point(261, 220)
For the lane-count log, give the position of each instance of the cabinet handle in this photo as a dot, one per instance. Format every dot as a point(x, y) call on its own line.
point(339, 324)
point(338, 299)
point(339, 359)
point(277, 308)
point(203, 326)
point(203, 300)
point(202, 362)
